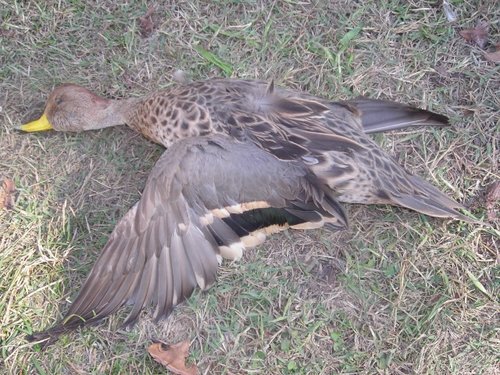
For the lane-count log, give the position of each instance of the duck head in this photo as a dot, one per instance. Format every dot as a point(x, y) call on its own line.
point(72, 108)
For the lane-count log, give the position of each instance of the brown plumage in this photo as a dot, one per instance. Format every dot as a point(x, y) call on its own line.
point(188, 216)
point(244, 159)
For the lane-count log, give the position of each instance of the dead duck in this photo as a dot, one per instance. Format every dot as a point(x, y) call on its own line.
point(244, 159)
point(331, 137)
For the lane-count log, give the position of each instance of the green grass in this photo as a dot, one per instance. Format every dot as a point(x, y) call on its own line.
point(398, 293)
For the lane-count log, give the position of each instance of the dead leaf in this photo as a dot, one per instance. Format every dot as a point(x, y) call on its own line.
point(6, 33)
point(495, 55)
point(146, 24)
point(173, 357)
point(443, 71)
point(7, 191)
point(477, 35)
point(492, 197)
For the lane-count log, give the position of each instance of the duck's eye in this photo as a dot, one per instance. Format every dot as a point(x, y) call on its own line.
point(58, 100)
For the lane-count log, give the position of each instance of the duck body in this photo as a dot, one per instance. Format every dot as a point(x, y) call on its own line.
point(331, 137)
point(244, 159)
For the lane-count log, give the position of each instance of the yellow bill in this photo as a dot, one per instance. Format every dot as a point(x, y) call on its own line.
point(38, 125)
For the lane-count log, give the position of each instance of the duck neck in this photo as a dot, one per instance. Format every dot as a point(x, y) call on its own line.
point(117, 112)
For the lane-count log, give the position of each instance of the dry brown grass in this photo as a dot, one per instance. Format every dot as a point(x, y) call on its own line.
point(398, 293)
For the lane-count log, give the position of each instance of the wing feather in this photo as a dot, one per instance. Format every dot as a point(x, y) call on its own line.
point(169, 242)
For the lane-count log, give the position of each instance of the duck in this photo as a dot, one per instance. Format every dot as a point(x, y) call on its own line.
point(244, 159)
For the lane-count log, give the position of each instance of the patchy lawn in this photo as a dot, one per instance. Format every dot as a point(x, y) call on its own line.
point(399, 293)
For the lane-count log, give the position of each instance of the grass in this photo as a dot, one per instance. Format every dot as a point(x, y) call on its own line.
point(399, 293)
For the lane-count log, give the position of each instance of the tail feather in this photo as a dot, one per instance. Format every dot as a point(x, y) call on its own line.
point(429, 200)
point(381, 115)
point(375, 178)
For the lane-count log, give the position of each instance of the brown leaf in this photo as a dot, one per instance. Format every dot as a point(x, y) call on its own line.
point(146, 24)
point(492, 197)
point(493, 56)
point(6, 33)
point(477, 35)
point(174, 357)
point(7, 191)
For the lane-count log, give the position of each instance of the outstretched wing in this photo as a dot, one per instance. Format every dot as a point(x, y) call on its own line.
point(205, 197)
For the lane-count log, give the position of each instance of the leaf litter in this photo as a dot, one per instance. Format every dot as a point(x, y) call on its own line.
point(7, 190)
point(146, 23)
point(173, 357)
point(492, 197)
point(493, 56)
point(477, 35)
